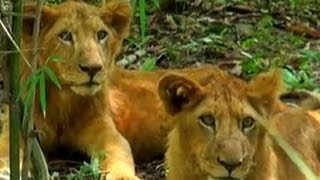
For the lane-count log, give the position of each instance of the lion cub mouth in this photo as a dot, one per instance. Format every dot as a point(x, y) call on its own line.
point(87, 89)
point(222, 178)
point(90, 84)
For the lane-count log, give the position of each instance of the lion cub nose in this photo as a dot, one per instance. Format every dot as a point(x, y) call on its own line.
point(231, 154)
point(91, 70)
point(229, 165)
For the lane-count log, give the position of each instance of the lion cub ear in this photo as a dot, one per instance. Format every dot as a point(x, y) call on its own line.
point(48, 17)
point(264, 90)
point(178, 92)
point(117, 14)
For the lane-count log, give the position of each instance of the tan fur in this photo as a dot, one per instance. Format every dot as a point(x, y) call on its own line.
point(4, 138)
point(137, 109)
point(210, 134)
point(78, 115)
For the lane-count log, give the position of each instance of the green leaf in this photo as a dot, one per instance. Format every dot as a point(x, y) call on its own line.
point(55, 58)
point(149, 64)
point(156, 3)
point(251, 65)
point(290, 78)
point(266, 21)
point(24, 86)
point(300, 79)
point(52, 76)
point(30, 94)
point(42, 89)
point(311, 55)
point(143, 19)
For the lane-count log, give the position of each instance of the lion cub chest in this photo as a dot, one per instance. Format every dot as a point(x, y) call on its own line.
point(63, 126)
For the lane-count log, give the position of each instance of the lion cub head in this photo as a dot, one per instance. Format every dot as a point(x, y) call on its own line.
point(216, 131)
point(86, 39)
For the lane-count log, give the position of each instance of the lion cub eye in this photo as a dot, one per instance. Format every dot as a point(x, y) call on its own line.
point(66, 36)
point(207, 120)
point(247, 123)
point(101, 35)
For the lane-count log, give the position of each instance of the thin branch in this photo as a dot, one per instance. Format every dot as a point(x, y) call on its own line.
point(12, 14)
point(14, 43)
point(17, 51)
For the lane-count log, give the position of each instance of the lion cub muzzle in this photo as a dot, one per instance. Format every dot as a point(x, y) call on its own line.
point(91, 67)
point(90, 60)
point(230, 154)
point(94, 80)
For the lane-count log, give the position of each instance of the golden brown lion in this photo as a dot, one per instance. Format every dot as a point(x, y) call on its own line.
point(87, 39)
point(137, 109)
point(219, 134)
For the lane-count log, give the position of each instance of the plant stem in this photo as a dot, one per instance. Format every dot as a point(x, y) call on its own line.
point(142, 9)
point(32, 147)
point(14, 74)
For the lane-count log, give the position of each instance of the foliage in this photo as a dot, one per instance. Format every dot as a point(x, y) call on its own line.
point(303, 78)
point(149, 64)
point(37, 79)
point(257, 40)
point(86, 171)
point(142, 7)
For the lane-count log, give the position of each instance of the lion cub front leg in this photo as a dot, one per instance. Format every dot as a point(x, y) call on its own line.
point(119, 161)
point(100, 136)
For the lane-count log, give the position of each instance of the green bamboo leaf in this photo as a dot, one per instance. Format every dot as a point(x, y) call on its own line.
point(24, 86)
point(28, 85)
point(55, 58)
point(30, 94)
point(42, 89)
point(52, 76)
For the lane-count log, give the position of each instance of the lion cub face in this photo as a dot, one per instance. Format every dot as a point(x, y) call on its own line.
point(216, 124)
point(85, 38)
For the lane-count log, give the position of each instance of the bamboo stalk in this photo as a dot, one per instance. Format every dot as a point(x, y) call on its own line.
point(14, 74)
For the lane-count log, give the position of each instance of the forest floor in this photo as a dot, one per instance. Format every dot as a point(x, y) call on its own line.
point(247, 37)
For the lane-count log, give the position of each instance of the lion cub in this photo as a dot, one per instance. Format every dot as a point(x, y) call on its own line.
point(218, 132)
point(87, 39)
point(135, 105)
